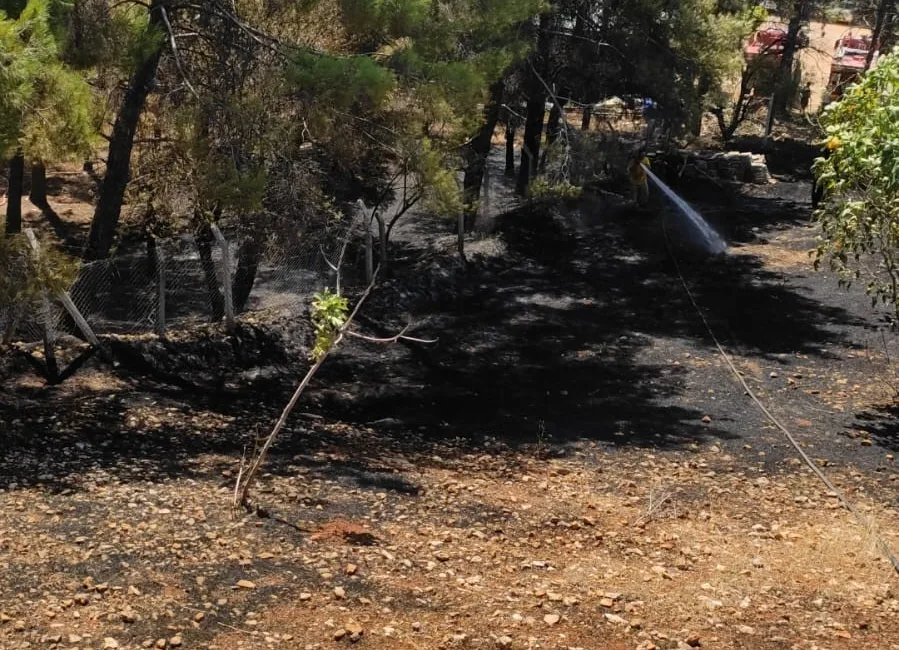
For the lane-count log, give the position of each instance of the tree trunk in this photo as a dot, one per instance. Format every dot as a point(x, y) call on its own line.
point(536, 106)
point(14, 198)
point(50, 359)
point(877, 35)
point(780, 97)
point(369, 252)
point(740, 109)
point(530, 149)
point(152, 257)
point(248, 257)
point(38, 193)
point(382, 244)
point(460, 238)
point(476, 156)
point(118, 163)
point(696, 115)
point(553, 127)
point(586, 117)
point(510, 145)
point(204, 246)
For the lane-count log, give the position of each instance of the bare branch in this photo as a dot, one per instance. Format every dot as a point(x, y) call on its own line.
point(552, 95)
point(516, 114)
point(174, 45)
point(336, 267)
point(401, 336)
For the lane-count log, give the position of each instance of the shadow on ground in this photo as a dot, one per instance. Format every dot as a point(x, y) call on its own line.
point(562, 338)
point(555, 344)
point(883, 425)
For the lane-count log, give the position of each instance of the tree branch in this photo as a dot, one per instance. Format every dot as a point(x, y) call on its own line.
point(401, 336)
point(174, 45)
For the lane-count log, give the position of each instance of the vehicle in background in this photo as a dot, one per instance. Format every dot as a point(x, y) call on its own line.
point(766, 42)
point(849, 56)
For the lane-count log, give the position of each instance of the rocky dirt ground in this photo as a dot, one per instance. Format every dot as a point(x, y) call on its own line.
point(571, 466)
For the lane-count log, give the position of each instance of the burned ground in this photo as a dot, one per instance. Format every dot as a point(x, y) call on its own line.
point(570, 465)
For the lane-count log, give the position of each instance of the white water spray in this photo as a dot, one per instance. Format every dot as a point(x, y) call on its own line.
point(710, 240)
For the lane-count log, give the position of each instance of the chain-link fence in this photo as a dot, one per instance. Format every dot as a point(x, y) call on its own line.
point(213, 274)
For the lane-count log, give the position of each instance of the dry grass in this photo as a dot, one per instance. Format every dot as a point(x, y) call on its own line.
point(780, 254)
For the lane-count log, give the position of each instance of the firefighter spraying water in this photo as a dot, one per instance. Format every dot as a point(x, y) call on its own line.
point(697, 229)
point(694, 228)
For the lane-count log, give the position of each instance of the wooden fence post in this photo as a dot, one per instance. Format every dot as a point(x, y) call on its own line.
point(227, 267)
point(160, 290)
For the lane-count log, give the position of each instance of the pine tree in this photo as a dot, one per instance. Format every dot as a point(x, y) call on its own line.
point(45, 107)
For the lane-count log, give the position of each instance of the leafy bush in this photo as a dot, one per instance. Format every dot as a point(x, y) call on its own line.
point(542, 190)
point(859, 215)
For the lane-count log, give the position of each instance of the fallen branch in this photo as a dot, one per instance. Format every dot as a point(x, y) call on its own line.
point(236, 629)
point(654, 506)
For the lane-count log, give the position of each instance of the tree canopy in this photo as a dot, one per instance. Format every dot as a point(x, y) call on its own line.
point(283, 115)
point(46, 109)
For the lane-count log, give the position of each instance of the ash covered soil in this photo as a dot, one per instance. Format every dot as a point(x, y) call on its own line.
point(571, 465)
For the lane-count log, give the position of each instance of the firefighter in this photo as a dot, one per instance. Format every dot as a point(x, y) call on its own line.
point(639, 178)
point(804, 96)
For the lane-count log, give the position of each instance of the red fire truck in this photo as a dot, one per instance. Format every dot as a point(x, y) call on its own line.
point(849, 56)
point(766, 42)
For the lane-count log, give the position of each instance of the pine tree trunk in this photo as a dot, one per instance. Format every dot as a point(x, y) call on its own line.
point(14, 196)
point(510, 146)
point(530, 149)
point(536, 105)
point(152, 257)
point(382, 245)
point(553, 127)
point(477, 152)
point(586, 117)
point(877, 34)
point(38, 193)
point(780, 97)
point(205, 239)
point(118, 166)
point(248, 257)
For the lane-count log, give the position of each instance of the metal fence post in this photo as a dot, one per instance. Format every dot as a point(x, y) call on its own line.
point(227, 267)
point(485, 188)
point(160, 290)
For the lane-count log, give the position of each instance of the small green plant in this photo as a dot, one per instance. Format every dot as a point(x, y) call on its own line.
point(543, 190)
point(329, 313)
